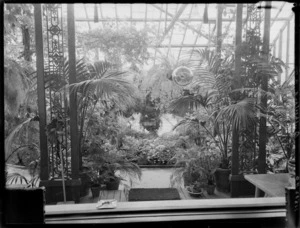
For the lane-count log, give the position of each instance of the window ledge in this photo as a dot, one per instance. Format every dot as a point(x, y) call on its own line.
point(176, 210)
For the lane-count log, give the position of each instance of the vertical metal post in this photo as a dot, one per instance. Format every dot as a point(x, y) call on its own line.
point(219, 28)
point(238, 41)
point(297, 100)
point(264, 87)
point(274, 48)
point(287, 49)
point(44, 175)
point(158, 35)
point(73, 100)
point(280, 53)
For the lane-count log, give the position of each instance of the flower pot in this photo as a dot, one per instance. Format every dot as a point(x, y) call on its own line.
point(84, 188)
point(222, 179)
point(95, 191)
point(193, 193)
point(211, 189)
point(113, 185)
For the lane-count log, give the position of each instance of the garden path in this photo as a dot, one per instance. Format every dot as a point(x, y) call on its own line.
point(152, 178)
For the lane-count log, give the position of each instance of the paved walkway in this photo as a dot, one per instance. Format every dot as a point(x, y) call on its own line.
point(152, 178)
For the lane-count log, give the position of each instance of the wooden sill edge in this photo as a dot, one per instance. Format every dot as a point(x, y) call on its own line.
point(174, 205)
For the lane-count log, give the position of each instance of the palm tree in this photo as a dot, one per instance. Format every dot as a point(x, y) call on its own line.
point(105, 86)
point(211, 90)
point(96, 83)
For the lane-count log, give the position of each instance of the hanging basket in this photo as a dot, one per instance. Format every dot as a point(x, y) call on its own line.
point(182, 76)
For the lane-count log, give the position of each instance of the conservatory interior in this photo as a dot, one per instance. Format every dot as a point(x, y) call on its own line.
point(117, 109)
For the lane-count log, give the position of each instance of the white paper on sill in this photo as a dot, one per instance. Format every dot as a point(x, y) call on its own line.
point(104, 204)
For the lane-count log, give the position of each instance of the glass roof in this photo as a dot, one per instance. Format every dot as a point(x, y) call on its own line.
point(178, 27)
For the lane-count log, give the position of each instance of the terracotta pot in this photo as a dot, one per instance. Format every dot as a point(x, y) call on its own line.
point(113, 185)
point(222, 179)
point(193, 193)
point(95, 191)
point(211, 189)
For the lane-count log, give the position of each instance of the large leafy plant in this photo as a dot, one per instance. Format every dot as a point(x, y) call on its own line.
point(206, 95)
point(196, 165)
point(106, 160)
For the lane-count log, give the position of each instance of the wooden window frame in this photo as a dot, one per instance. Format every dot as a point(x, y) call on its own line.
point(170, 211)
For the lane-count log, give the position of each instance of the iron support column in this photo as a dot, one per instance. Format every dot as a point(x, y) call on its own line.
point(264, 87)
point(38, 20)
point(238, 42)
point(219, 28)
point(73, 100)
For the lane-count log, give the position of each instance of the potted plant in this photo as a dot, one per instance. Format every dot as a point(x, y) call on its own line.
point(195, 167)
point(210, 184)
point(222, 175)
point(111, 164)
point(109, 177)
point(96, 183)
point(195, 189)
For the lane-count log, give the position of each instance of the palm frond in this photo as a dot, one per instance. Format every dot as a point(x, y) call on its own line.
point(110, 86)
point(241, 114)
point(208, 59)
point(12, 136)
point(16, 178)
point(183, 105)
point(34, 182)
point(99, 68)
point(56, 81)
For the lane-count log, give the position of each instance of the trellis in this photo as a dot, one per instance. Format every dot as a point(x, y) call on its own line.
point(58, 134)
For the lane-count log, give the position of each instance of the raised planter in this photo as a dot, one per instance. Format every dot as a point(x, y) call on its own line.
point(240, 187)
point(222, 179)
point(54, 190)
point(157, 166)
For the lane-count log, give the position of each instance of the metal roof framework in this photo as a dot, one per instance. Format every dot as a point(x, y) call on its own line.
point(184, 27)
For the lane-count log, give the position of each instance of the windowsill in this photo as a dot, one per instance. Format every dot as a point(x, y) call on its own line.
point(176, 210)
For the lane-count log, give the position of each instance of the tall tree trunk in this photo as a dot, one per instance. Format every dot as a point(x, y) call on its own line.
point(264, 87)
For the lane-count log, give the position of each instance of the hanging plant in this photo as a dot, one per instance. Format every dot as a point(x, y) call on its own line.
point(150, 114)
point(119, 46)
